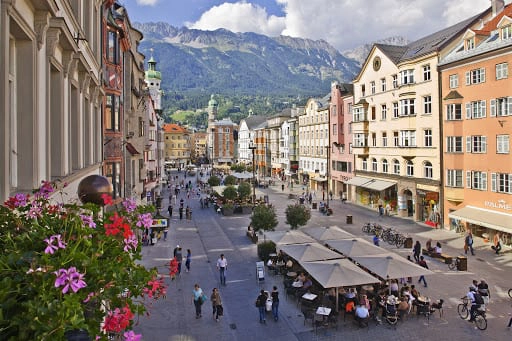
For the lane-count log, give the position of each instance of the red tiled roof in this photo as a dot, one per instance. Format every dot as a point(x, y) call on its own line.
point(174, 128)
point(491, 24)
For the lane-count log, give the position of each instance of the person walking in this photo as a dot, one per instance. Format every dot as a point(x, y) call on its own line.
point(198, 298)
point(188, 260)
point(222, 265)
point(166, 230)
point(275, 303)
point(468, 244)
point(423, 264)
point(216, 304)
point(417, 251)
point(260, 304)
point(497, 243)
point(169, 209)
point(181, 212)
point(179, 257)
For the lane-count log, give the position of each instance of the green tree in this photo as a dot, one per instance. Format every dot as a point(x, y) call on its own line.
point(230, 193)
point(239, 167)
point(244, 190)
point(263, 218)
point(213, 181)
point(297, 215)
point(230, 180)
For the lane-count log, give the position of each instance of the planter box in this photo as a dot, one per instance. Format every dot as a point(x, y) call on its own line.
point(246, 209)
point(227, 211)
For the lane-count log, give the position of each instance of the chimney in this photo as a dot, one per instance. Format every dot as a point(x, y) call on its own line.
point(497, 7)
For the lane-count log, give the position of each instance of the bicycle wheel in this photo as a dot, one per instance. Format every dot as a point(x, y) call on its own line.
point(400, 242)
point(463, 311)
point(481, 322)
point(510, 293)
point(452, 265)
point(366, 228)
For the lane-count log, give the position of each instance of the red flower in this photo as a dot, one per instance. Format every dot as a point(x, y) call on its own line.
point(107, 199)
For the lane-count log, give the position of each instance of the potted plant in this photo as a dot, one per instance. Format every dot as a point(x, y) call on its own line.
point(244, 191)
point(69, 268)
point(228, 209)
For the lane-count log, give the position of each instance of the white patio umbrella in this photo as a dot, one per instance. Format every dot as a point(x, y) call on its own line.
point(308, 252)
point(243, 175)
point(322, 233)
point(288, 237)
point(391, 266)
point(354, 247)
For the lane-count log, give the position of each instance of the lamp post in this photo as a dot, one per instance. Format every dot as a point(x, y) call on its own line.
point(252, 147)
point(211, 158)
point(327, 172)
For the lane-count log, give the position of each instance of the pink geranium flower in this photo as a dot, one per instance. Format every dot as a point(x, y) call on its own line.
point(69, 278)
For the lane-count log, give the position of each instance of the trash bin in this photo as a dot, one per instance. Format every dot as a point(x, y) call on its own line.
point(349, 219)
point(408, 243)
point(462, 264)
point(314, 205)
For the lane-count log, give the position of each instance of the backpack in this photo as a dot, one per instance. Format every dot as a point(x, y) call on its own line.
point(259, 303)
point(478, 298)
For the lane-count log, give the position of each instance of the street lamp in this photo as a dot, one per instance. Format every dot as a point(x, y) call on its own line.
point(327, 172)
point(252, 147)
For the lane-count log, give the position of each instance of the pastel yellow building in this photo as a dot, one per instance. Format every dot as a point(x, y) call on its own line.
point(177, 145)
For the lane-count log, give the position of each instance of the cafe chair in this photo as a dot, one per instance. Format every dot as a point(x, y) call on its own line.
point(308, 314)
point(438, 306)
point(319, 321)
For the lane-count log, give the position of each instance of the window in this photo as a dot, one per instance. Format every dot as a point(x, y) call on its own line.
point(373, 113)
point(396, 167)
point(407, 138)
point(384, 139)
point(407, 107)
point(363, 90)
point(454, 178)
point(359, 140)
point(395, 139)
point(365, 164)
point(383, 84)
point(428, 170)
point(358, 115)
point(385, 166)
point(454, 144)
point(454, 81)
point(334, 129)
point(427, 137)
point(501, 71)
point(476, 144)
point(454, 112)
point(475, 109)
point(426, 72)
point(476, 180)
point(501, 183)
point(427, 104)
point(112, 48)
point(142, 131)
point(470, 43)
point(395, 81)
point(407, 76)
point(112, 113)
point(506, 32)
point(501, 106)
point(374, 139)
point(475, 76)
point(395, 110)
point(383, 112)
point(374, 164)
point(502, 144)
point(113, 174)
point(372, 86)
point(409, 168)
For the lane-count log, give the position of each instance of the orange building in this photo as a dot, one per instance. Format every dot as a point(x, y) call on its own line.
point(477, 123)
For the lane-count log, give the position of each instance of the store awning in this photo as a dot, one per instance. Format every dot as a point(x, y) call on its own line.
point(357, 181)
point(320, 179)
point(378, 185)
point(490, 219)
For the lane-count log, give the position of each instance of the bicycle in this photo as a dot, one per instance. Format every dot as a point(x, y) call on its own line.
point(480, 318)
point(454, 265)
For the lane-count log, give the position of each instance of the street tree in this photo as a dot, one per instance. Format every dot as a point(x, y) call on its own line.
point(230, 193)
point(213, 181)
point(230, 180)
point(297, 215)
point(244, 190)
point(263, 218)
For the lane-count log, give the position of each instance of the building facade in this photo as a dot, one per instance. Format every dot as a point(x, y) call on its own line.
point(222, 137)
point(198, 148)
point(246, 136)
point(177, 145)
point(477, 124)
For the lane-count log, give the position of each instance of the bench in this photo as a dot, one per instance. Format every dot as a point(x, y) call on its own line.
point(446, 258)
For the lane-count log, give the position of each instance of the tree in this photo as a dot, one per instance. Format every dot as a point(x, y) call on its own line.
point(297, 215)
point(244, 190)
point(263, 218)
point(230, 180)
point(239, 167)
point(230, 193)
point(213, 181)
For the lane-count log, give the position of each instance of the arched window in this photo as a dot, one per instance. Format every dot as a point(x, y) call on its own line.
point(396, 166)
point(385, 166)
point(374, 164)
point(409, 168)
point(429, 173)
point(365, 164)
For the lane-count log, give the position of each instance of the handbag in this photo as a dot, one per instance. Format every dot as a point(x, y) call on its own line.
point(220, 310)
point(202, 298)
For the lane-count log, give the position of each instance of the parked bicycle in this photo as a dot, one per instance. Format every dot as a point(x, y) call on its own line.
point(480, 318)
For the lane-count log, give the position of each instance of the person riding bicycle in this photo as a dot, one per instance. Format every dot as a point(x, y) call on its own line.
point(476, 302)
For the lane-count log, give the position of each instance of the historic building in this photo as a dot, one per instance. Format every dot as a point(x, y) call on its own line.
point(246, 136)
point(276, 141)
point(222, 137)
point(289, 145)
point(477, 124)
point(50, 94)
point(177, 145)
point(198, 148)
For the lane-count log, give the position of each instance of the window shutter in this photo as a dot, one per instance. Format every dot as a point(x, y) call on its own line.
point(493, 182)
point(484, 181)
point(484, 144)
point(468, 144)
point(482, 75)
point(493, 108)
point(468, 111)
point(509, 105)
point(468, 78)
point(468, 179)
point(482, 109)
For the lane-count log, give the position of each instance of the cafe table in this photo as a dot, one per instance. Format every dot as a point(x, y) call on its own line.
point(309, 296)
point(323, 311)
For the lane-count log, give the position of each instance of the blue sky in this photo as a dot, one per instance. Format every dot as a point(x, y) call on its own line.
point(343, 23)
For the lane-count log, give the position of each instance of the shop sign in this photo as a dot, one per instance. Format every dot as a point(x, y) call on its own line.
point(432, 196)
point(501, 204)
point(159, 223)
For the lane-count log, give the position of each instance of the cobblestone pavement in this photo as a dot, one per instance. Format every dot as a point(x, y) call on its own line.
point(208, 235)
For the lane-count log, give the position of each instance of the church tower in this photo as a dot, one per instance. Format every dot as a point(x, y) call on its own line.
point(153, 79)
point(212, 113)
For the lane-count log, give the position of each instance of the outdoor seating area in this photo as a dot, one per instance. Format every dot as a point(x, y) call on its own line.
point(345, 276)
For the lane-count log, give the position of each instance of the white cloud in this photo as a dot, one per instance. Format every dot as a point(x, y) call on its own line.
point(147, 2)
point(343, 23)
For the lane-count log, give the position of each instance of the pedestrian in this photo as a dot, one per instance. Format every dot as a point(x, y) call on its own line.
point(483, 290)
point(166, 230)
point(423, 264)
point(497, 243)
point(376, 240)
point(179, 257)
point(330, 194)
point(188, 260)
point(468, 243)
point(222, 265)
point(275, 303)
point(169, 209)
point(181, 212)
point(261, 302)
point(417, 251)
point(198, 297)
point(282, 188)
point(216, 304)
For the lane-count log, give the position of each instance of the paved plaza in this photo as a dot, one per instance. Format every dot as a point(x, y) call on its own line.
point(209, 234)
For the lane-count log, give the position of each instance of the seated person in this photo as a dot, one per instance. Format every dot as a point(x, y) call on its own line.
point(349, 307)
point(270, 264)
point(350, 295)
point(306, 286)
point(393, 287)
point(403, 307)
point(438, 249)
point(428, 245)
point(380, 303)
point(414, 293)
point(363, 300)
point(361, 314)
point(391, 303)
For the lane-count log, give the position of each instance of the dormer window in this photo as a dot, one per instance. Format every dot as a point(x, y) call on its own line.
point(470, 43)
point(506, 32)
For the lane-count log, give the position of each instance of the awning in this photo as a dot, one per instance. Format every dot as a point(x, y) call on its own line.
point(490, 219)
point(131, 149)
point(378, 185)
point(357, 181)
point(319, 179)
